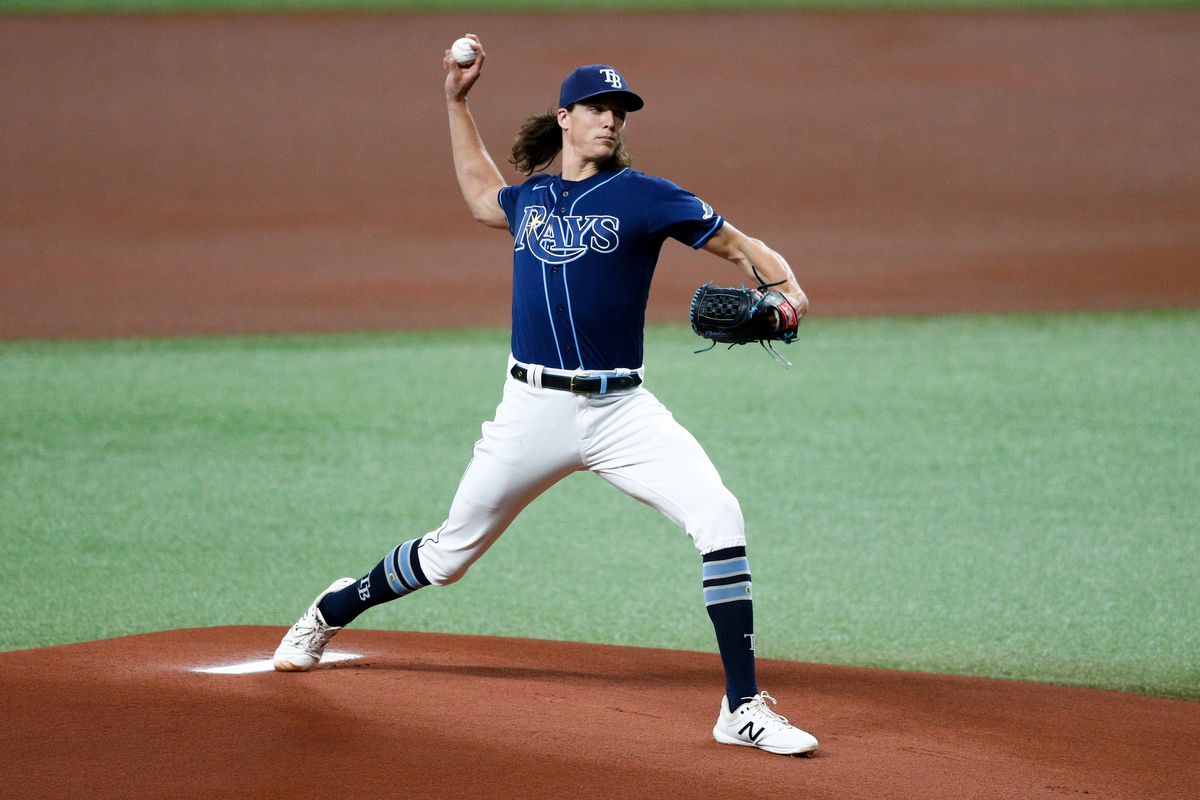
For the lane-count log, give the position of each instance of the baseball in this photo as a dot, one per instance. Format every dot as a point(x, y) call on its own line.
point(462, 51)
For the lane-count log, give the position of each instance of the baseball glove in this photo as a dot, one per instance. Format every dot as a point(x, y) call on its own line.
point(739, 316)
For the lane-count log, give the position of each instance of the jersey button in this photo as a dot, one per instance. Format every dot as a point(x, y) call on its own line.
point(563, 210)
point(554, 270)
point(566, 194)
point(561, 307)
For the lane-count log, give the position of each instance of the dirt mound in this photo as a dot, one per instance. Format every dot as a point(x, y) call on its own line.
point(460, 716)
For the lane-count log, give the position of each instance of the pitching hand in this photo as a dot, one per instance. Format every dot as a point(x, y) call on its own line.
point(460, 79)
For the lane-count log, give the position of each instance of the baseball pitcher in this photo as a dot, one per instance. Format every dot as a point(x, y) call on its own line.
point(585, 242)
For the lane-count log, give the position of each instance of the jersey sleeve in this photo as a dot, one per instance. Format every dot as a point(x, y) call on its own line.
point(507, 197)
point(681, 215)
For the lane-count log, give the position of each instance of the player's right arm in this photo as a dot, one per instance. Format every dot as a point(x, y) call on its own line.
point(478, 176)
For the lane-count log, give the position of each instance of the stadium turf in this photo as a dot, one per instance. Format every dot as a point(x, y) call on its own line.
point(1011, 496)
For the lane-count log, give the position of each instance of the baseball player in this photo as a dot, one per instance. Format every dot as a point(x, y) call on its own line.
point(585, 245)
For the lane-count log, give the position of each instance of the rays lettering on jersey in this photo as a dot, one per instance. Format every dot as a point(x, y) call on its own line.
point(561, 240)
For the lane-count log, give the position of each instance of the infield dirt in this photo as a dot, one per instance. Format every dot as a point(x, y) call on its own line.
point(464, 716)
point(243, 174)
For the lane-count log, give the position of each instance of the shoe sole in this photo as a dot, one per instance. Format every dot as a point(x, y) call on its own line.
point(726, 739)
point(288, 666)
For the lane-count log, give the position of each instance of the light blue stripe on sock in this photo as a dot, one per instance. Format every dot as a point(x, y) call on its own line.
point(392, 578)
point(727, 594)
point(723, 569)
point(406, 569)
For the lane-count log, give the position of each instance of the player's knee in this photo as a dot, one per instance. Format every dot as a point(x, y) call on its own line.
point(443, 569)
point(450, 577)
point(718, 522)
point(444, 575)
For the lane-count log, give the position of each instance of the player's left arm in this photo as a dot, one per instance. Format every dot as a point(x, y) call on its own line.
point(749, 254)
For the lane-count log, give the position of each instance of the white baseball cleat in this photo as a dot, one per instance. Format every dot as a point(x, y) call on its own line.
point(754, 724)
point(304, 644)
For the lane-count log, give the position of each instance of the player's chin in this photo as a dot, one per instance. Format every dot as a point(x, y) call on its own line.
point(606, 147)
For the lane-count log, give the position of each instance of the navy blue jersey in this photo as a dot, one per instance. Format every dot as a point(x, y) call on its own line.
point(584, 253)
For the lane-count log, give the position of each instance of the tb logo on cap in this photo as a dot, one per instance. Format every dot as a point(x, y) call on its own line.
point(612, 77)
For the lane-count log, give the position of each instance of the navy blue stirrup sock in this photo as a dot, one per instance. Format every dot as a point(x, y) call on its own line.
point(398, 574)
point(730, 606)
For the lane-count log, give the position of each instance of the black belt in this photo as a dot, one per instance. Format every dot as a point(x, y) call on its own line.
point(581, 384)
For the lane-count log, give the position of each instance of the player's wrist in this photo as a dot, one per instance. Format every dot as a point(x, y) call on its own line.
point(798, 301)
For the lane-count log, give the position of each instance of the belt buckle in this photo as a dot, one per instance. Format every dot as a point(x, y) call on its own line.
point(572, 388)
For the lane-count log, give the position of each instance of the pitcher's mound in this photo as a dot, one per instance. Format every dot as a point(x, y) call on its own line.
point(421, 715)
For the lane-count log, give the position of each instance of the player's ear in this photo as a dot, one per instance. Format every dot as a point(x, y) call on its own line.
point(564, 117)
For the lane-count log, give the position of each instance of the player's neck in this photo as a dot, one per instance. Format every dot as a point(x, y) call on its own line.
point(575, 168)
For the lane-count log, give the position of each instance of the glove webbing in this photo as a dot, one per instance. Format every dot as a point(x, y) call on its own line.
point(763, 286)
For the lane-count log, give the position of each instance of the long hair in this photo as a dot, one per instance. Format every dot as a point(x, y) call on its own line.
point(540, 139)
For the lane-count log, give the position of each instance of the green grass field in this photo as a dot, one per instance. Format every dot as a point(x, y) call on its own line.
point(1010, 496)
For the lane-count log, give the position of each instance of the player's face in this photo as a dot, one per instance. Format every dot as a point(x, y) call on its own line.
point(593, 128)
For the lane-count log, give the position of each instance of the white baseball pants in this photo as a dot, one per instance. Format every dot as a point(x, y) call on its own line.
point(539, 436)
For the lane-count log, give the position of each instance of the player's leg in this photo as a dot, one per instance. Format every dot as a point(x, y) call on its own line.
point(528, 447)
point(490, 495)
point(729, 601)
point(531, 445)
point(745, 718)
point(639, 447)
point(635, 443)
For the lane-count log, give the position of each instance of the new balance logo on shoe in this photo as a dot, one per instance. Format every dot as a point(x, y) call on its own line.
point(753, 735)
point(754, 724)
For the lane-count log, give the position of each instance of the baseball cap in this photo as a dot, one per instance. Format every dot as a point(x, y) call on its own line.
point(595, 80)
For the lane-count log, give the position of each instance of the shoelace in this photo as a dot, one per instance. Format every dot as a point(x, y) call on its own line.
point(309, 630)
point(757, 702)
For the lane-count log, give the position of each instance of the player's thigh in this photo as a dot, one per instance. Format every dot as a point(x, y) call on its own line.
point(641, 449)
point(532, 439)
point(529, 446)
